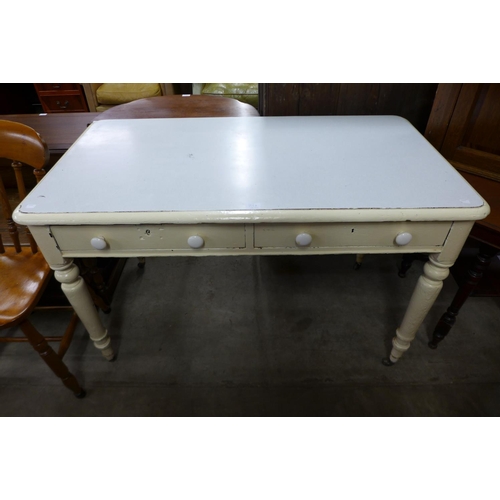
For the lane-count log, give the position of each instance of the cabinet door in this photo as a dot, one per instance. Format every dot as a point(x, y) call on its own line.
point(472, 139)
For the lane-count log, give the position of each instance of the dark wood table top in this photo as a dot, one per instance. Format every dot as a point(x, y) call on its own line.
point(179, 106)
point(59, 130)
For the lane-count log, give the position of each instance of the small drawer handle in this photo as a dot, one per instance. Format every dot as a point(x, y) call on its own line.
point(403, 239)
point(196, 241)
point(56, 86)
point(99, 243)
point(62, 106)
point(303, 239)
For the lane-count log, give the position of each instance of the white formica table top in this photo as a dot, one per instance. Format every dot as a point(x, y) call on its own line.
point(250, 164)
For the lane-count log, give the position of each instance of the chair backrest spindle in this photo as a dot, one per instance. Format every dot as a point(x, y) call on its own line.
point(21, 188)
point(7, 213)
point(18, 171)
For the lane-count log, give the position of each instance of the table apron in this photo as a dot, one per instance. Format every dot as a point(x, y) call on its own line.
point(249, 239)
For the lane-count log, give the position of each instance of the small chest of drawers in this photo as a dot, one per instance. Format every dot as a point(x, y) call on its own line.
point(61, 97)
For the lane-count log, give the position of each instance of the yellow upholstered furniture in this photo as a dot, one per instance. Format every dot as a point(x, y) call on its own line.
point(102, 96)
point(244, 92)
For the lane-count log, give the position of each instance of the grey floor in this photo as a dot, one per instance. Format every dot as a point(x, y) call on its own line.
point(264, 336)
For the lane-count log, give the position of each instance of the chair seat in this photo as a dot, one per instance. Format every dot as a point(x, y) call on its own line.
point(121, 93)
point(24, 276)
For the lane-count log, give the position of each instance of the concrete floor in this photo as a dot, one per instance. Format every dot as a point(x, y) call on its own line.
point(264, 336)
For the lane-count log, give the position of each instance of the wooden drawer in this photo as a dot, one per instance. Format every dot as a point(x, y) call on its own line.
point(48, 87)
point(153, 237)
point(378, 234)
point(63, 103)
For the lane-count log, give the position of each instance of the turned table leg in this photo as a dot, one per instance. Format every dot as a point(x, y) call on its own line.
point(474, 275)
point(428, 286)
point(359, 261)
point(426, 291)
point(79, 297)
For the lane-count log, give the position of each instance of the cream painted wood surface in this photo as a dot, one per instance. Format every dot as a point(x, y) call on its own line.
point(236, 239)
point(217, 239)
point(352, 235)
point(79, 297)
point(149, 237)
point(237, 186)
point(428, 287)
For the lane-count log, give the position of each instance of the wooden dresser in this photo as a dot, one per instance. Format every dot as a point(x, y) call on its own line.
point(61, 97)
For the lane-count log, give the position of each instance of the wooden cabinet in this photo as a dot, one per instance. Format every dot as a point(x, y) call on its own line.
point(465, 127)
point(61, 97)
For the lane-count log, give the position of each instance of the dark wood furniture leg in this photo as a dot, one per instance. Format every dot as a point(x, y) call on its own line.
point(54, 362)
point(102, 278)
point(474, 275)
point(407, 261)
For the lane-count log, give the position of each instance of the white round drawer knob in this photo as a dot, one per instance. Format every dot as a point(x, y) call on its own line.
point(99, 243)
point(303, 239)
point(196, 241)
point(403, 239)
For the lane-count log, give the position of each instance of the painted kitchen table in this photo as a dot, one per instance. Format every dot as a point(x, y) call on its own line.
point(252, 186)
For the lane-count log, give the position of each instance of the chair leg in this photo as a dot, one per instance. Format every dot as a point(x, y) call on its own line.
point(54, 362)
point(68, 336)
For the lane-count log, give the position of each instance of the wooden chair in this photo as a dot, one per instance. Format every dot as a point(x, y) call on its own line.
point(23, 270)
